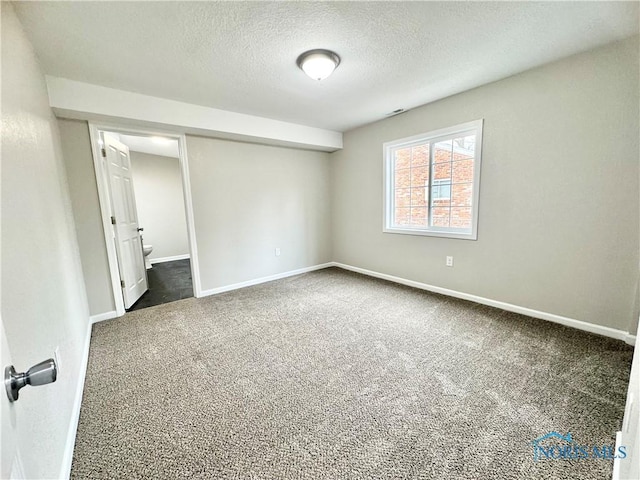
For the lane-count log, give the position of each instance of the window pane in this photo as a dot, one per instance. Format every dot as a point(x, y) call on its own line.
point(441, 190)
point(462, 195)
point(442, 151)
point(442, 171)
point(419, 176)
point(464, 147)
point(402, 197)
point(402, 158)
point(418, 197)
point(402, 216)
point(440, 216)
point(402, 178)
point(418, 216)
point(420, 155)
point(462, 171)
point(461, 217)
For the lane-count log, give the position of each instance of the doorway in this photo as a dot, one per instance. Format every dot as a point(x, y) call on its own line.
point(145, 201)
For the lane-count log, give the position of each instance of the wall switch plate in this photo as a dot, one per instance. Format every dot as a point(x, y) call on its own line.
point(277, 252)
point(449, 261)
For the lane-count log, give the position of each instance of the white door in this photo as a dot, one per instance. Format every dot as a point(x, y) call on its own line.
point(11, 463)
point(133, 274)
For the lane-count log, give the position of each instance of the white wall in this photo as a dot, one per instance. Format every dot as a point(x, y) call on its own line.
point(43, 296)
point(76, 149)
point(559, 207)
point(157, 183)
point(249, 199)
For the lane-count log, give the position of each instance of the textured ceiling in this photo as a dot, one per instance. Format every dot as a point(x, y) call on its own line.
point(240, 56)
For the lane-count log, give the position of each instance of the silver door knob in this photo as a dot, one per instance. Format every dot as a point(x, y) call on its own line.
point(40, 374)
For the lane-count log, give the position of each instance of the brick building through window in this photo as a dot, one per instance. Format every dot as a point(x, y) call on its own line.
point(432, 183)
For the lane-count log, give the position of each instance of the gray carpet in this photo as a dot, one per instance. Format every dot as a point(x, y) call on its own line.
point(333, 375)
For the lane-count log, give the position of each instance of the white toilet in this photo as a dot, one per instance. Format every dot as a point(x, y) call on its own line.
point(147, 249)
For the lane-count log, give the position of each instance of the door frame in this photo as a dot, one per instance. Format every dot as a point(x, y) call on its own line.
point(105, 209)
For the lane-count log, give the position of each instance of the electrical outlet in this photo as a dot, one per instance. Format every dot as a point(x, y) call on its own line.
point(449, 261)
point(277, 252)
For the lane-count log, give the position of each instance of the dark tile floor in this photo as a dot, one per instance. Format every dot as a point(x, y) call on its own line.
point(168, 282)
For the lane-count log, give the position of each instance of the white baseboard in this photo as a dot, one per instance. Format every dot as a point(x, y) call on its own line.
point(102, 316)
point(270, 278)
point(569, 322)
point(169, 259)
point(65, 470)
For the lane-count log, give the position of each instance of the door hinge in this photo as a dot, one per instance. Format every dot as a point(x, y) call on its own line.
point(113, 220)
point(122, 283)
point(104, 152)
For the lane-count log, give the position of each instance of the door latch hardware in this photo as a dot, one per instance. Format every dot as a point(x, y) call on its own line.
point(40, 374)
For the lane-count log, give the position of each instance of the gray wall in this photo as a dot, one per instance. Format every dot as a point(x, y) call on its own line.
point(559, 203)
point(157, 182)
point(76, 149)
point(44, 305)
point(559, 206)
point(249, 199)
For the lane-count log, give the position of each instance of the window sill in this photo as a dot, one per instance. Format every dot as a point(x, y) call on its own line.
point(433, 233)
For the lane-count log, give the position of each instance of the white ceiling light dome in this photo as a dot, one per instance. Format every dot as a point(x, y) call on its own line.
point(319, 63)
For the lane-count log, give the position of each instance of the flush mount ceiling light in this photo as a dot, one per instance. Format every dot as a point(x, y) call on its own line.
point(318, 64)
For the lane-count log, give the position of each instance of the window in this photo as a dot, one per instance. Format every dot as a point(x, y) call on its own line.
point(440, 190)
point(432, 182)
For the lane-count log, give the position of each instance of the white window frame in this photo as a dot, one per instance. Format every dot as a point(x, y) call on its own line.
point(432, 137)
